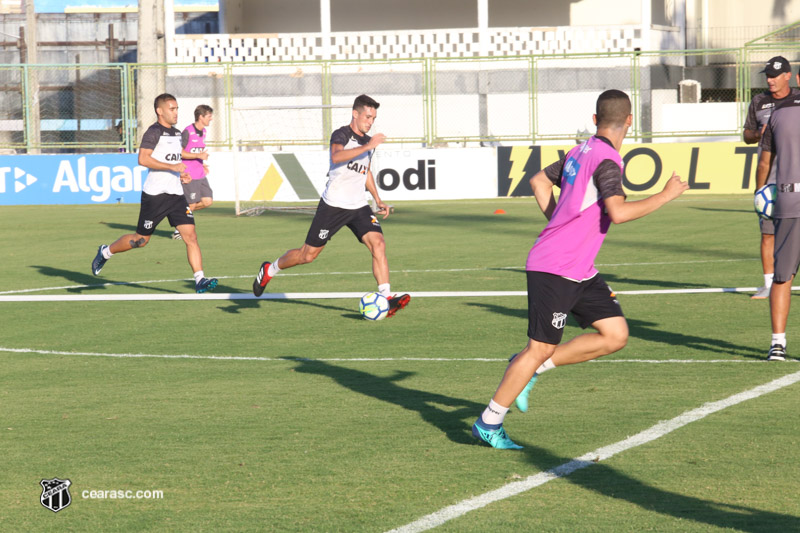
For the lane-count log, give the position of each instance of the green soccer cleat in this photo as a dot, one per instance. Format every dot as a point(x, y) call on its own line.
point(496, 438)
point(522, 400)
point(205, 285)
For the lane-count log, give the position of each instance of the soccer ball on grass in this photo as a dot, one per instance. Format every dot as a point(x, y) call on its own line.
point(373, 306)
point(764, 200)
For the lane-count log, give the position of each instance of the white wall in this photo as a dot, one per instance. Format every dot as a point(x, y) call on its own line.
point(605, 12)
point(730, 13)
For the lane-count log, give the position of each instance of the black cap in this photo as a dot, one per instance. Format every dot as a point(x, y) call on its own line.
point(775, 66)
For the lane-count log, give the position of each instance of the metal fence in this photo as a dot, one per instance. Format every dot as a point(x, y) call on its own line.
point(427, 102)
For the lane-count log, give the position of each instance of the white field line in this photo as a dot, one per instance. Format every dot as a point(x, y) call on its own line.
point(655, 432)
point(407, 271)
point(320, 295)
point(358, 359)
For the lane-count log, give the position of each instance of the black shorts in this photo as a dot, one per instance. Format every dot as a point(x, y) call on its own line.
point(551, 297)
point(328, 220)
point(155, 207)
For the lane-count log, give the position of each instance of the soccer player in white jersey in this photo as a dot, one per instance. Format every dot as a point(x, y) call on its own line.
point(344, 204)
point(162, 194)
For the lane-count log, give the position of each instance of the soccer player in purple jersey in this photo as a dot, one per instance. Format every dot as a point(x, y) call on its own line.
point(560, 268)
point(194, 155)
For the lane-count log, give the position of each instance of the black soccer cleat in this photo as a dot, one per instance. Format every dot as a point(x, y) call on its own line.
point(397, 302)
point(99, 260)
point(262, 278)
point(776, 353)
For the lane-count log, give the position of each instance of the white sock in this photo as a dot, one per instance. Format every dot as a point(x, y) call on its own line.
point(779, 338)
point(273, 268)
point(198, 276)
point(768, 279)
point(544, 367)
point(384, 289)
point(106, 251)
point(494, 413)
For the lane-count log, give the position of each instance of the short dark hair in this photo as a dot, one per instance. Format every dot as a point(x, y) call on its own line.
point(161, 98)
point(201, 111)
point(364, 101)
point(613, 108)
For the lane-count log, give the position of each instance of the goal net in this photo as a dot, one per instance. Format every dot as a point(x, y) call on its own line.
point(265, 138)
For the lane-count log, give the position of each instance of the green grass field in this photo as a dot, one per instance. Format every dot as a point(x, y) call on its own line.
point(327, 422)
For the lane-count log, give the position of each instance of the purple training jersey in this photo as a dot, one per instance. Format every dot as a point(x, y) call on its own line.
point(194, 142)
point(570, 242)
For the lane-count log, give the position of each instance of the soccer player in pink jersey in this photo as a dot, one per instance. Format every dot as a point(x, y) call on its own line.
point(561, 275)
point(194, 155)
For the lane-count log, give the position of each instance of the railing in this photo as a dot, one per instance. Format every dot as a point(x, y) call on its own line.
point(678, 95)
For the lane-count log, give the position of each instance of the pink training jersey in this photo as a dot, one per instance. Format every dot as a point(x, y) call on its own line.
point(568, 245)
point(194, 144)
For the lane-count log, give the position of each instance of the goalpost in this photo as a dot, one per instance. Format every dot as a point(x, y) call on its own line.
point(259, 131)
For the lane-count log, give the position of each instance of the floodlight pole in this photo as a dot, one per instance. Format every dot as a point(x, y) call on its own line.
point(33, 135)
point(151, 54)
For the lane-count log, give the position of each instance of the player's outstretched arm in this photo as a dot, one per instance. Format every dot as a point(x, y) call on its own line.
point(194, 155)
point(621, 211)
point(543, 192)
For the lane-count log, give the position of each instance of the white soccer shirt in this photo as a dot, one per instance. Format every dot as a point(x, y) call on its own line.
point(166, 146)
point(347, 180)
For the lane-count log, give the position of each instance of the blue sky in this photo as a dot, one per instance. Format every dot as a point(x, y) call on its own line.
point(57, 6)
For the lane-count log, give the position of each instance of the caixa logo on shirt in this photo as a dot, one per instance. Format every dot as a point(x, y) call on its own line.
point(357, 167)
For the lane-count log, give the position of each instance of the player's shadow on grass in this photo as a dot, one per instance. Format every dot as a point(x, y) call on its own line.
point(450, 420)
point(611, 483)
point(642, 329)
point(88, 282)
point(237, 306)
point(127, 228)
point(511, 225)
point(654, 283)
point(722, 210)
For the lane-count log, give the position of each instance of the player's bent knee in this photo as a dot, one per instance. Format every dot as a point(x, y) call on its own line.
point(375, 242)
point(618, 342)
point(616, 339)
